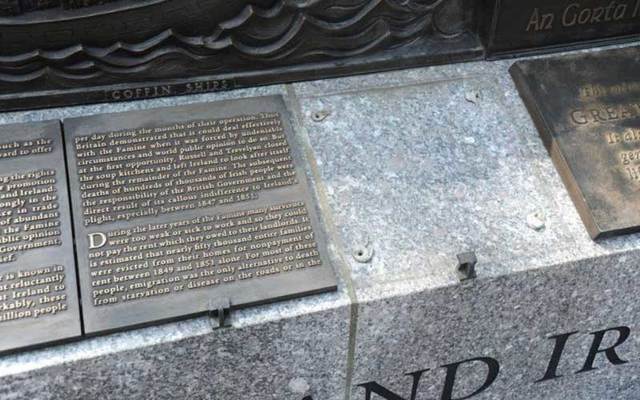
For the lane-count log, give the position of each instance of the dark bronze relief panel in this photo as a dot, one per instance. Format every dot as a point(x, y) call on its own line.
point(167, 47)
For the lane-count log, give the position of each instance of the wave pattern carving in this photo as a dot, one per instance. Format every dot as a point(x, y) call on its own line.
point(286, 32)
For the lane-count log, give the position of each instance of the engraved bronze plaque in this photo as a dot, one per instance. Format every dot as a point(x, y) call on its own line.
point(179, 209)
point(587, 110)
point(38, 288)
point(519, 26)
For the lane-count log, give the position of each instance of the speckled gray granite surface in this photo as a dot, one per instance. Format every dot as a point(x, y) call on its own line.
point(510, 319)
point(410, 168)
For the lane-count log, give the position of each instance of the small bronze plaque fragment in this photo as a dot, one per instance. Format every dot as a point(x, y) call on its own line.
point(520, 26)
point(179, 209)
point(587, 109)
point(38, 289)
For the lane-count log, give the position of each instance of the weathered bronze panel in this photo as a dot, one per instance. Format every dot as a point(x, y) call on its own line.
point(519, 26)
point(60, 52)
point(38, 289)
point(587, 110)
point(179, 209)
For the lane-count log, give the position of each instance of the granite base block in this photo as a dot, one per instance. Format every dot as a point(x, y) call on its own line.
point(513, 320)
point(284, 358)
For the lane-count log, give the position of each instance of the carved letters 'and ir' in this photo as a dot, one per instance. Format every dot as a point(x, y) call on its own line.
point(175, 210)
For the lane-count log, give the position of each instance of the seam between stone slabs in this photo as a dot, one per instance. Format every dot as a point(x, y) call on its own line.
point(342, 266)
point(529, 136)
point(384, 88)
point(351, 350)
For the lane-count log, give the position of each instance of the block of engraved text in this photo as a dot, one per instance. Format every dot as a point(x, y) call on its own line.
point(587, 110)
point(38, 289)
point(179, 210)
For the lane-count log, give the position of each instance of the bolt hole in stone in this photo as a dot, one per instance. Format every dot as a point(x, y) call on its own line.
point(363, 254)
point(536, 221)
point(473, 96)
point(320, 116)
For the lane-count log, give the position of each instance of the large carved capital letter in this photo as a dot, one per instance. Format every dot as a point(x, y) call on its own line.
point(452, 370)
point(609, 352)
point(375, 388)
point(561, 341)
point(97, 240)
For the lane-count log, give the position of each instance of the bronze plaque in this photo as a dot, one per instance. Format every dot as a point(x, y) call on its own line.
point(38, 289)
point(587, 110)
point(179, 209)
point(519, 26)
